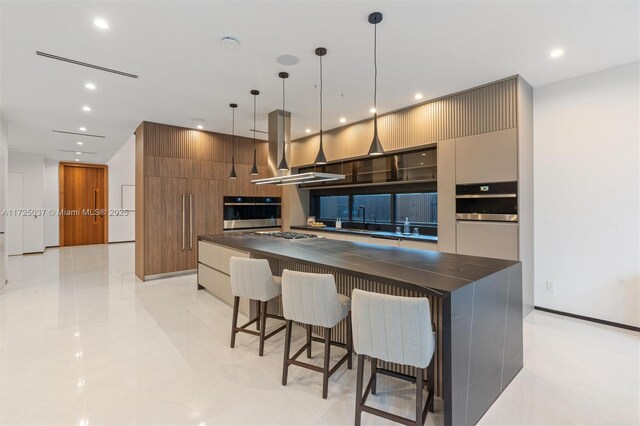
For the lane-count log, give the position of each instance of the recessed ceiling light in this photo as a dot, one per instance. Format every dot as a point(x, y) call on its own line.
point(90, 86)
point(86, 108)
point(80, 143)
point(424, 154)
point(418, 96)
point(230, 42)
point(77, 159)
point(287, 60)
point(200, 126)
point(556, 53)
point(343, 120)
point(83, 129)
point(308, 131)
point(101, 23)
point(422, 164)
point(78, 152)
point(372, 110)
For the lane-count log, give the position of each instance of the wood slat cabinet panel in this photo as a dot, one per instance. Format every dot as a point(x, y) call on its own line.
point(172, 161)
point(153, 225)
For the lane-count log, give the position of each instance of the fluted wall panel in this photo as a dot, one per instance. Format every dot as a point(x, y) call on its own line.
point(484, 109)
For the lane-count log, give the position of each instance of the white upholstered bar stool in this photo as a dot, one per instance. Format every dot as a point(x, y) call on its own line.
point(313, 300)
point(252, 278)
point(393, 329)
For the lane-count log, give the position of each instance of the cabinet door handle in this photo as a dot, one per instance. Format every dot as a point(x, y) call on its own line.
point(183, 222)
point(190, 221)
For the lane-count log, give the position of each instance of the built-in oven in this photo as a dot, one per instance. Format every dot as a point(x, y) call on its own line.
point(496, 202)
point(251, 212)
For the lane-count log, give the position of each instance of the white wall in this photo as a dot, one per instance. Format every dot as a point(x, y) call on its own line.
point(4, 146)
point(587, 195)
point(122, 171)
point(51, 203)
point(32, 168)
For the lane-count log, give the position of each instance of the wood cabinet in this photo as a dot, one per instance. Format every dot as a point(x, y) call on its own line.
point(182, 177)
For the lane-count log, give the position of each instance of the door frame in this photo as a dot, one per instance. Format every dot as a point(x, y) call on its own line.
point(105, 196)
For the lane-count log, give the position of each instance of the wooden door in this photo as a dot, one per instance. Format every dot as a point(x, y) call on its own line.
point(83, 204)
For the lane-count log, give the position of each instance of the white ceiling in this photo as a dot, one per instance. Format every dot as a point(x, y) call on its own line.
point(434, 48)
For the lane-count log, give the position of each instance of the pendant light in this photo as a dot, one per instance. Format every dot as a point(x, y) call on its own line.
point(320, 158)
point(283, 162)
point(254, 168)
point(376, 147)
point(233, 174)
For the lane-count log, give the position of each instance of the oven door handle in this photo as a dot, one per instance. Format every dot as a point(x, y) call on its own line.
point(486, 196)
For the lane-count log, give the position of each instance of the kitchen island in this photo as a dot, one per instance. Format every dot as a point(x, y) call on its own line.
point(476, 304)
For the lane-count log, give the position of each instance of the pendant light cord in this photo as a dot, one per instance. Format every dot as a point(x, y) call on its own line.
point(375, 68)
point(321, 96)
point(233, 133)
point(284, 115)
point(254, 122)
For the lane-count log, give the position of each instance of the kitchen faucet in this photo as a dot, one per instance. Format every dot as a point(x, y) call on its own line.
point(364, 216)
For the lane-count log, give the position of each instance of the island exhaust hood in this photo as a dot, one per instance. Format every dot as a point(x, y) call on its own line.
point(279, 128)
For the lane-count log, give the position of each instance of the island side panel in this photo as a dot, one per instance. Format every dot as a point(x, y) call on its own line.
point(486, 343)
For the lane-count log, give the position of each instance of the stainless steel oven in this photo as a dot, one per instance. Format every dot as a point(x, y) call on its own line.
point(496, 202)
point(251, 212)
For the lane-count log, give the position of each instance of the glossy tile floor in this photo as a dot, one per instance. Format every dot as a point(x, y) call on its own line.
point(83, 343)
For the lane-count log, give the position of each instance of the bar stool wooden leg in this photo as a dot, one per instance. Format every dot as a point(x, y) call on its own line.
point(234, 321)
point(263, 325)
point(359, 379)
point(431, 385)
point(258, 307)
point(374, 375)
point(287, 350)
point(327, 355)
point(419, 378)
point(309, 340)
point(349, 342)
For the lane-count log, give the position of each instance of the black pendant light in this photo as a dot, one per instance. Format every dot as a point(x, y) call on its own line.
point(283, 162)
point(233, 174)
point(376, 147)
point(254, 168)
point(321, 158)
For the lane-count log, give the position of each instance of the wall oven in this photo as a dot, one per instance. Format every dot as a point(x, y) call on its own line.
point(496, 202)
point(251, 212)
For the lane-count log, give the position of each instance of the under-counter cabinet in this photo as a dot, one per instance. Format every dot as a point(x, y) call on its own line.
point(214, 270)
point(488, 239)
point(418, 245)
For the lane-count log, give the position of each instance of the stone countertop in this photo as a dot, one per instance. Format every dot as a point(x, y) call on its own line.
point(422, 270)
point(375, 234)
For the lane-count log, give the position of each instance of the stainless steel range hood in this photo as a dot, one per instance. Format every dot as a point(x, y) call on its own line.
point(280, 177)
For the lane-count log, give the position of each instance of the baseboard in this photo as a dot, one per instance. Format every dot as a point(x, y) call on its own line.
point(120, 242)
point(590, 319)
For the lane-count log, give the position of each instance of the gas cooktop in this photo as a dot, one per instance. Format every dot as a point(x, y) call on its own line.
point(287, 235)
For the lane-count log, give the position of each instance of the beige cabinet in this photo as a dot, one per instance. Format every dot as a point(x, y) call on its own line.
point(487, 157)
point(418, 245)
point(383, 241)
point(213, 272)
point(488, 239)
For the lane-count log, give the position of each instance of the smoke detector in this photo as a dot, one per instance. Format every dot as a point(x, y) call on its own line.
point(230, 42)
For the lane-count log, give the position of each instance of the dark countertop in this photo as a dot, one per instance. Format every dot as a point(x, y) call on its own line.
point(422, 270)
point(375, 234)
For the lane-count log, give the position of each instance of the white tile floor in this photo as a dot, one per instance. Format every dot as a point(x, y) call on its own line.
point(83, 343)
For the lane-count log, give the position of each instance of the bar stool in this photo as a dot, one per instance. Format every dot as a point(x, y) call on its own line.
point(252, 278)
point(393, 329)
point(312, 299)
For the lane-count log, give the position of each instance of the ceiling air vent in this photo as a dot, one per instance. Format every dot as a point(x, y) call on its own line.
point(79, 134)
point(85, 64)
